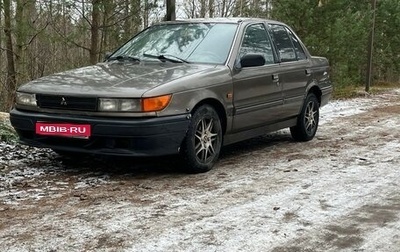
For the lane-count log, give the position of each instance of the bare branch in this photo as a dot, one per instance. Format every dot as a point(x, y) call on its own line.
point(69, 40)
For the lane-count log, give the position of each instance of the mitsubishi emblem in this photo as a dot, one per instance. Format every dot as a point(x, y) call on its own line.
point(63, 101)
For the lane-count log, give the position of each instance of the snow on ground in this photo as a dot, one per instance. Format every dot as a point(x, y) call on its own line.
point(339, 192)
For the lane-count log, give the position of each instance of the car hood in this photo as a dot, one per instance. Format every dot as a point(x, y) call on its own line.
point(113, 79)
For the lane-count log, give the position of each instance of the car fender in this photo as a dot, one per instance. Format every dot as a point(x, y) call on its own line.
point(313, 87)
point(219, 96)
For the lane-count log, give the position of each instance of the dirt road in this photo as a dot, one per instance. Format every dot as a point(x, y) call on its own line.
point(339, 192)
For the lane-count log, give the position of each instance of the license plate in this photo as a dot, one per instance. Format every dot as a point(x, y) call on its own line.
point(63, 129)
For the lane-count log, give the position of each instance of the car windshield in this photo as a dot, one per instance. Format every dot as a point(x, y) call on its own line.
point(181, 43)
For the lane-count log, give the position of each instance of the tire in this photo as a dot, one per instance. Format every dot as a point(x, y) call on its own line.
point(307, 122)
point(202, 144)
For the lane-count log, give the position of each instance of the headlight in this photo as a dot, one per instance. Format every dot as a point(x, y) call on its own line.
point(148, 104)
point(26, 99)
point(119, 105)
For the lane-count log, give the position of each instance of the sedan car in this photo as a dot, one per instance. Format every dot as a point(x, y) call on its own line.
point(184, 87)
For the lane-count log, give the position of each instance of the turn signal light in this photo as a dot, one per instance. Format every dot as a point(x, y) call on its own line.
point(157, 103)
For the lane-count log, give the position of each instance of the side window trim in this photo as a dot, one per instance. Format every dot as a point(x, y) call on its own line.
point(269, 37)
point(291, 36)
point(286, 29)
point(273, 45)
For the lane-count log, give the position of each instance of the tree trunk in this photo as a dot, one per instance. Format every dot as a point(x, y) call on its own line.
point(268, 9)
point(106, 37)
point(193, 11)
point(11, 79)
point(20, 38)
point(1, 54)
point(94, 32)
point(127, 25)
point(136, 19)
point(203, 8)
point(25, 14)
point(171, 15)
point(146, 14)
point(371, 48)
point(223, 8)
point(211, 8)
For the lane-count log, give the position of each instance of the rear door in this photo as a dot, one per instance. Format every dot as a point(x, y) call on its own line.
point(295, 66)
point(257, 90)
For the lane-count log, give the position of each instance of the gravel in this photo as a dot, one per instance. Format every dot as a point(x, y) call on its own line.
point(339, 192)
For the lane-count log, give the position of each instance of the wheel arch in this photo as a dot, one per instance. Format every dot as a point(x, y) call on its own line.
point(316, 91)
point(217, 105)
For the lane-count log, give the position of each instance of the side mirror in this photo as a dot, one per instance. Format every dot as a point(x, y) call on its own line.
point(252, 60)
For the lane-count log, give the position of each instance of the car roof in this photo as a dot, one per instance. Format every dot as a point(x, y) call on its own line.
point(233, 20)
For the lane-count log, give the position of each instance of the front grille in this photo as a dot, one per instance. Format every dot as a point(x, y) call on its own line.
point(66, 102)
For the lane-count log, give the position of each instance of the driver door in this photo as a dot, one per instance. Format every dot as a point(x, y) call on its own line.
point(257, 91)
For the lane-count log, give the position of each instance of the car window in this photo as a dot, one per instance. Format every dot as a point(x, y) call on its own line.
point(283, 43)
point(297, 47)
point(257, 41)
point(215, 45)
point(192, 42)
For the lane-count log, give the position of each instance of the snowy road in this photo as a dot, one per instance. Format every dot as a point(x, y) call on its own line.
point(339, 192)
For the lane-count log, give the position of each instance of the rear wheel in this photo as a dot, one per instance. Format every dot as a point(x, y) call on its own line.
point(307, 122)
point(203, 141)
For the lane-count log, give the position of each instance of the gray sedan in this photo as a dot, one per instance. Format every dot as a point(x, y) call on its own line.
point(186, 87)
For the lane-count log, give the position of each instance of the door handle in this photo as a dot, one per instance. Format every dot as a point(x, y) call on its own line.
point(308, 72)
point(275, 79)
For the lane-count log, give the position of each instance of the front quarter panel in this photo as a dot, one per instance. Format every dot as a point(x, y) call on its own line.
point(188, 92)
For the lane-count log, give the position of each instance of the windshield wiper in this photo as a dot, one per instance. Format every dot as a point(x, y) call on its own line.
point(124, 57)
point(166, 57)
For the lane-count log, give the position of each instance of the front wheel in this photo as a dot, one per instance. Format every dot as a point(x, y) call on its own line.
point(203, 141)
point(307, 122)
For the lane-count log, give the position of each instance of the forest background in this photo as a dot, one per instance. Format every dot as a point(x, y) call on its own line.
point(40, 37)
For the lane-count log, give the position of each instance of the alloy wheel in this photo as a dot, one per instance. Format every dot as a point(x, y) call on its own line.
point(206, 138)
point(311, 117)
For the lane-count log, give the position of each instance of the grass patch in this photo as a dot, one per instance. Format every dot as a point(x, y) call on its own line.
point(352, 91)
point(7, 133)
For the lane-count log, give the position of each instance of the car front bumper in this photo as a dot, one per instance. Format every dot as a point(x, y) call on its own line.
point(109, 136)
